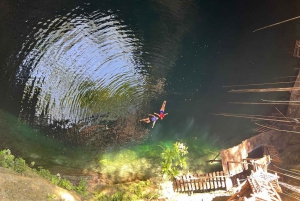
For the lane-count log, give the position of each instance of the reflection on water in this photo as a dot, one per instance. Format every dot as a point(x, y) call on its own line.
point(92, 70)
point(80, 64)
point(88, 74)
point(82, 70)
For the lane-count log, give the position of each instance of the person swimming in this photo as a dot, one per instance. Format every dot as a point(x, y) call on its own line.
point(162, 113)
point(151, 118)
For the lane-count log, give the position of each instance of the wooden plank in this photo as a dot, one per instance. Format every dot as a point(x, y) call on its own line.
point(218, 179)
point(182, 184)
point(215, 180)
point(201, 187)
point(211, 180)
point(175, 184)
point(193, 182)
point(204, 183)
point(186, 188)
point(178, 186)
point(197, 182)
point(188, 181)
point(222, 179)
point(207, 181)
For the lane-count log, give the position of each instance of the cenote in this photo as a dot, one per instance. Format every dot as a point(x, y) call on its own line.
point(77, 76)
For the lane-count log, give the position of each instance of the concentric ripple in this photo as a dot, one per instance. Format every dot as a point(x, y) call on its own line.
point(91, 62)
point(80, 65)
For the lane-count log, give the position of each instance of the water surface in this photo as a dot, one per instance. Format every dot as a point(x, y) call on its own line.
point(84, 72)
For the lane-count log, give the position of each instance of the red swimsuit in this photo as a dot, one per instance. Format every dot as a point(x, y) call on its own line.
point(161, 115)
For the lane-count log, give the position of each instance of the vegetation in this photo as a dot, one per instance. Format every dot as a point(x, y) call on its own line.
point(125, 162)
point(50, 197)
point(173, 160)
point(8, 160)
point(147, 160)
point(133, 192)
point(81, 188)
point(55, 179)
point(128, 164)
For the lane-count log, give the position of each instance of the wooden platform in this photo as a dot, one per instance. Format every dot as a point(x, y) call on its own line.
point(233, 158)
point(260, 185)
point(235, 163)
point(199, 182)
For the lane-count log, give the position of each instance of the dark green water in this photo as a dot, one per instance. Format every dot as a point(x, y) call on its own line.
point(72, 69)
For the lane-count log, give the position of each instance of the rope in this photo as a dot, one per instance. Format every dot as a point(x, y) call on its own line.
point(277, 23)
point(287, 170)
point(288, 175)
point(291, 195)
point(291, 187)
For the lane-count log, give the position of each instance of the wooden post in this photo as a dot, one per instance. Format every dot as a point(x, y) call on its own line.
point(219, 179)
point(211, 179)
point(215, 180)
point(182, 183)
point(200, 183)
point(207, 181)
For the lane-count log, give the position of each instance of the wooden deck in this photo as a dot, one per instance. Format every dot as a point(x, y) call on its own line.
point(232, 158)
point(199, 182)
point(235, 163)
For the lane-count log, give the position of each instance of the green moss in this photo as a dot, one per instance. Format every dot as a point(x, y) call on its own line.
point(124, 165)
point(133, 192)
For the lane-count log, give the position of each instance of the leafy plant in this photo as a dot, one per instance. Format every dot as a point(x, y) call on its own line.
point(173, 160)
point(81, 187)
point(101, 196)
point(6, 159)
point(118, 195)
point(66, 184)
point(20, 165)
point(46, 174)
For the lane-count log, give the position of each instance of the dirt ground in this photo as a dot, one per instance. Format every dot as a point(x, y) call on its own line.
point(27, 187)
